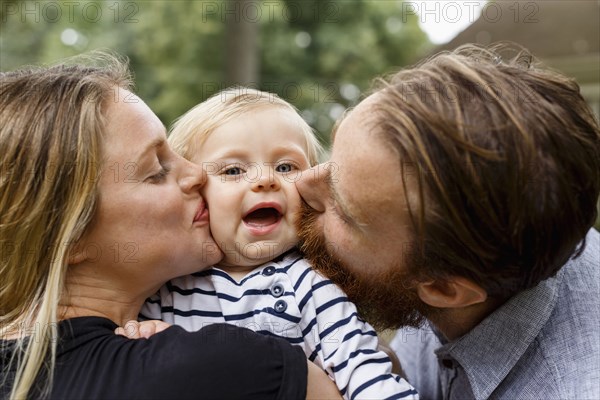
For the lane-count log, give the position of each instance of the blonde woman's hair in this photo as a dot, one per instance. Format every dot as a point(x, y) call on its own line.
point(50, 159)
point(189, 131)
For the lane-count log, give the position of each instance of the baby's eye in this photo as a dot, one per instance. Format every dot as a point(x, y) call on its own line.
point(233, 171)
point(285, 167)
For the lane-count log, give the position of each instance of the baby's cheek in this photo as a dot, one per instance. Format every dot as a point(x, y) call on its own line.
point(211, 189)
point(290, 237)
point(222, 227)
point(293, 199)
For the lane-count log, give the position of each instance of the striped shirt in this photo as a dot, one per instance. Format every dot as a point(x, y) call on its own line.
point(287, 298)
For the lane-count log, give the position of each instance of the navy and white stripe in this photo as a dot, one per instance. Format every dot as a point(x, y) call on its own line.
point(287, 298)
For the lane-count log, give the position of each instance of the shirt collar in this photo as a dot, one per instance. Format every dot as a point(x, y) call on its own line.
point(489, 352)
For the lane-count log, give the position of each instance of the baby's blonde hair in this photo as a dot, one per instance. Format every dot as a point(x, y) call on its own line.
point(190, 130)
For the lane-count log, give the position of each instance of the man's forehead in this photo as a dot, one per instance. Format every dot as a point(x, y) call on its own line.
point(365, 110)
point(367, 175)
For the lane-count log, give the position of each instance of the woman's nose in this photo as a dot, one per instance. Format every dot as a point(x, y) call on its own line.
point(313, 186)
point(192, 178)
point(266, 182)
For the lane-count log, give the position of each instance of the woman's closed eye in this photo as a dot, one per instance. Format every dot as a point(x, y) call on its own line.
point(160, 176)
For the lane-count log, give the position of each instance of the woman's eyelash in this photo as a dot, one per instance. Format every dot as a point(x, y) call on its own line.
point(162, 174)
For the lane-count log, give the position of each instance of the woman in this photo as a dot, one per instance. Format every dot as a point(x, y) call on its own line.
point(98, 212)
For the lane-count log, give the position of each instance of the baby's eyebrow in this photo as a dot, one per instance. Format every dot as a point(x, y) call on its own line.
point(289, 150)
point(229, 154)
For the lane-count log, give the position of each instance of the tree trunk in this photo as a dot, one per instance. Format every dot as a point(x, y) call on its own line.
point(242, 58)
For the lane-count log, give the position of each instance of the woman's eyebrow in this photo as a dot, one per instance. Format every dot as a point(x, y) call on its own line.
point(152, 146)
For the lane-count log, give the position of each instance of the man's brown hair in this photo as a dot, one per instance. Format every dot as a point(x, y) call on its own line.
point(505, 157)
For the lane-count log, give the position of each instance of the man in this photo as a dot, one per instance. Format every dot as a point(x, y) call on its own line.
point(457, 205)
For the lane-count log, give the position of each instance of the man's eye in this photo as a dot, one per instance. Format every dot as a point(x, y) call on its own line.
point(337, 211)
point(340, 215)
point(233, 171)
point(286, 167)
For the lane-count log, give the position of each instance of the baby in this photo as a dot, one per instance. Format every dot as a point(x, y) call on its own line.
point(254, 146)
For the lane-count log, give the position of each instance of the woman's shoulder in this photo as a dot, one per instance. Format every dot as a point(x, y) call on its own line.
point(224, 361)
point(221, 358)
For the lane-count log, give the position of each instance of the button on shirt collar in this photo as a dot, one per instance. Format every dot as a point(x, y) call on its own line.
point(490, 351)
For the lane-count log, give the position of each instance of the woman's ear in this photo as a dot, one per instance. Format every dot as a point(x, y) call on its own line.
point(77, 254)
point(455, 292)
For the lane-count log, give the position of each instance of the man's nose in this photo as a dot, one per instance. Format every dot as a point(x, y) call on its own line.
point(313, 186)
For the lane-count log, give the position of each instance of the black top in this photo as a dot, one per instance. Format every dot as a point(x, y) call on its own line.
point(220, 361)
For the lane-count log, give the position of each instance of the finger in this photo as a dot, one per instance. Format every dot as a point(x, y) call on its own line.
point(147, 329)
point(161, 326)
point(132, 329)
point(120, 331)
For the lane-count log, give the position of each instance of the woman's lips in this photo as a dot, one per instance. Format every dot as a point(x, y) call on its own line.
point(201, 214)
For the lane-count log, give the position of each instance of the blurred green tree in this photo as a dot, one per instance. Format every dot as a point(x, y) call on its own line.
point(319, 55)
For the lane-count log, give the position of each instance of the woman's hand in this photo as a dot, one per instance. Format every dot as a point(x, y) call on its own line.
point(137, 330)
point(396, 366)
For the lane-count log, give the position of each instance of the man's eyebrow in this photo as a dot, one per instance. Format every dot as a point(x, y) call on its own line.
point(338, 122)
point(334, 129)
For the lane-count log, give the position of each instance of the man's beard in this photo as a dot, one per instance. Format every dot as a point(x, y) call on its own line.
point(386, 300)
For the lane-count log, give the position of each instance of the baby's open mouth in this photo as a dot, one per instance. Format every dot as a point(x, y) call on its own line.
point(262, 217)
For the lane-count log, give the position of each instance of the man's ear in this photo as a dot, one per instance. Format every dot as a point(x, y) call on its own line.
point(455, 292)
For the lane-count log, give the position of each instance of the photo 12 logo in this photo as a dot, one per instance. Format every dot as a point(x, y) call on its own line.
point(269, 11)
point(455, 11)
point(72, 11)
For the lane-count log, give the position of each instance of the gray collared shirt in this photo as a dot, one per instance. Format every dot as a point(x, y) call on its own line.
point(544, 343)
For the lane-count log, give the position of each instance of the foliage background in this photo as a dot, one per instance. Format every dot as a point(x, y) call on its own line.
point(319, 55)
